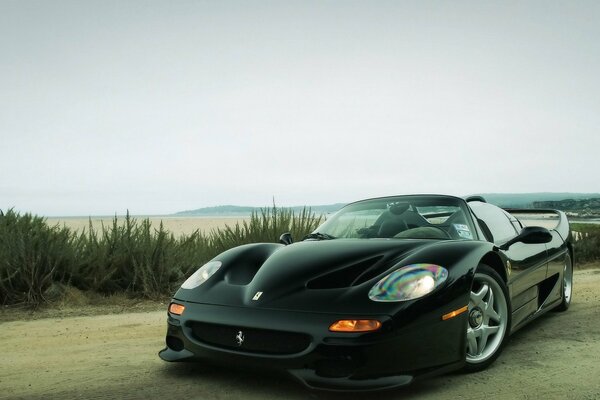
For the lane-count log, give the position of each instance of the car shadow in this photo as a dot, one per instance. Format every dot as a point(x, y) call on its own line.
point(279, 384)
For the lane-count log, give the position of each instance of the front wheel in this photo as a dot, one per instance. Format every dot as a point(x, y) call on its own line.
point(489, 319)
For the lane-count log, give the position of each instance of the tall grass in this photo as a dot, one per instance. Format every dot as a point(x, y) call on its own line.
point(587, 242)
point(32, 256)
point(132, 257)
point(265, 225)
point(128, 256)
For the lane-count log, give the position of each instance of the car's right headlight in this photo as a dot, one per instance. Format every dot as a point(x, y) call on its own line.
point(409, 283)
point(202, 275)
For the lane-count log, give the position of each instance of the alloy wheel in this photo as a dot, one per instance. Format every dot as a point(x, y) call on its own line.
point(487, 322)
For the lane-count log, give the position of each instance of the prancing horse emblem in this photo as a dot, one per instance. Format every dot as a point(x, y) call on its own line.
point(239, 338)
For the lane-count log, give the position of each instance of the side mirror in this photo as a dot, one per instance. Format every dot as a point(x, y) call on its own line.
point(286, 238)
point(530, 235)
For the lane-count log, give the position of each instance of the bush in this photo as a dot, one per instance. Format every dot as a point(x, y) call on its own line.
point(131, 257)
point(33, 255)
point(265, 226)
point(587, 242)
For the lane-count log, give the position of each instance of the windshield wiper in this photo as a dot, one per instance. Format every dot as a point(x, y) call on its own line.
point(318, 236)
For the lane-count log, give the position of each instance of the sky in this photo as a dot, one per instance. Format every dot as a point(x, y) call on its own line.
point(156, 107)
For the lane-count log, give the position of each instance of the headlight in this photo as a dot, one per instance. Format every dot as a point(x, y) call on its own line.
point(409, 283)
point(202, 275)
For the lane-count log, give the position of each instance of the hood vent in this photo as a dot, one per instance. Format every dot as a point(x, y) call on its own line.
point(372, 272)
point(242, 274)
point(351, 275)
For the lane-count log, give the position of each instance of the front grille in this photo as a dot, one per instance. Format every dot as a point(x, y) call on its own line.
point(254, 340)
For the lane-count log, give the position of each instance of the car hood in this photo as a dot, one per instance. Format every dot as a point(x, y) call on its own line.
point(313, 276)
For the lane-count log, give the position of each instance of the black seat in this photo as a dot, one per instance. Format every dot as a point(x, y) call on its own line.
point(392, 227)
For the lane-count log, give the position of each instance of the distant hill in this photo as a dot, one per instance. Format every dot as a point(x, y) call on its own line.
point(218, 210)
point(244, 210)
point(585, 208)
point(527, 200)
point(506, 200)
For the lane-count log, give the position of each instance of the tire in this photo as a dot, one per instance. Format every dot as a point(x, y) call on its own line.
point(489, 319)
point(567, 285)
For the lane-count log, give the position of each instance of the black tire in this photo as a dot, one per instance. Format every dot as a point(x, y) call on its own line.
point(567, 285)
point(488, 329)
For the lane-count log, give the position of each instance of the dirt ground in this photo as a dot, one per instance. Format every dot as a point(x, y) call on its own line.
point(115, 356)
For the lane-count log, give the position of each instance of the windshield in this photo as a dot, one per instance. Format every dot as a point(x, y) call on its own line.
point(404, 217)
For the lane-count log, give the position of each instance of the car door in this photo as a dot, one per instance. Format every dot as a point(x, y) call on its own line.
point(526, 265)
point(557, 258)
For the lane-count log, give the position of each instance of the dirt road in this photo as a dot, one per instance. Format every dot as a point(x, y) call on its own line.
point(114, 356)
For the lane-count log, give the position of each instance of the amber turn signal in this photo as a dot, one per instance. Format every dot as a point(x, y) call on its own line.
point(176, 309)
point(355, 325)
point(454, 313)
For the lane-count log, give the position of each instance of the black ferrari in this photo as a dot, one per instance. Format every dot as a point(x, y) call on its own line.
point(385, 291)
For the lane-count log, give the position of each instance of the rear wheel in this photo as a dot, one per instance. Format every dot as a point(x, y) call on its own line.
point(489, 319)
point(567, 285)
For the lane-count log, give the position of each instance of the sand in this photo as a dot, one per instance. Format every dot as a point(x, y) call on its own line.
point(176, 225)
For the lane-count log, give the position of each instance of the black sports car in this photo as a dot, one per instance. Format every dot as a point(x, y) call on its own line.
point(385, 291)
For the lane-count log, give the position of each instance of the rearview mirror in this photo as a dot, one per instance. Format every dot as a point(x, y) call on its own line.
point(286, 238)
point(530, 235)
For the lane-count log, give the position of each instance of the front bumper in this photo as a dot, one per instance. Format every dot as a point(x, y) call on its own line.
point(391, 357)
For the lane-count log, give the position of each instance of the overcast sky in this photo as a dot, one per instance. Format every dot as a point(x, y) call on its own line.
point(162, 106)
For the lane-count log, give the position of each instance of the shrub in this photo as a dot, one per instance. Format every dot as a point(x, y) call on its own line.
point(587, 242)
point(131, 257)
point(33, 255)
point(265, 226)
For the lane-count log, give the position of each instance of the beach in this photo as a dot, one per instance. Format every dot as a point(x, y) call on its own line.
point(178, 225)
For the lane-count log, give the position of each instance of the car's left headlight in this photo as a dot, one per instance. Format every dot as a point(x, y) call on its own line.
point(201, 275)
point(409, 283)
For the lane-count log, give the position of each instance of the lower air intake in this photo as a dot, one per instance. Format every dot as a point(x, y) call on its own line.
point(251, 340)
